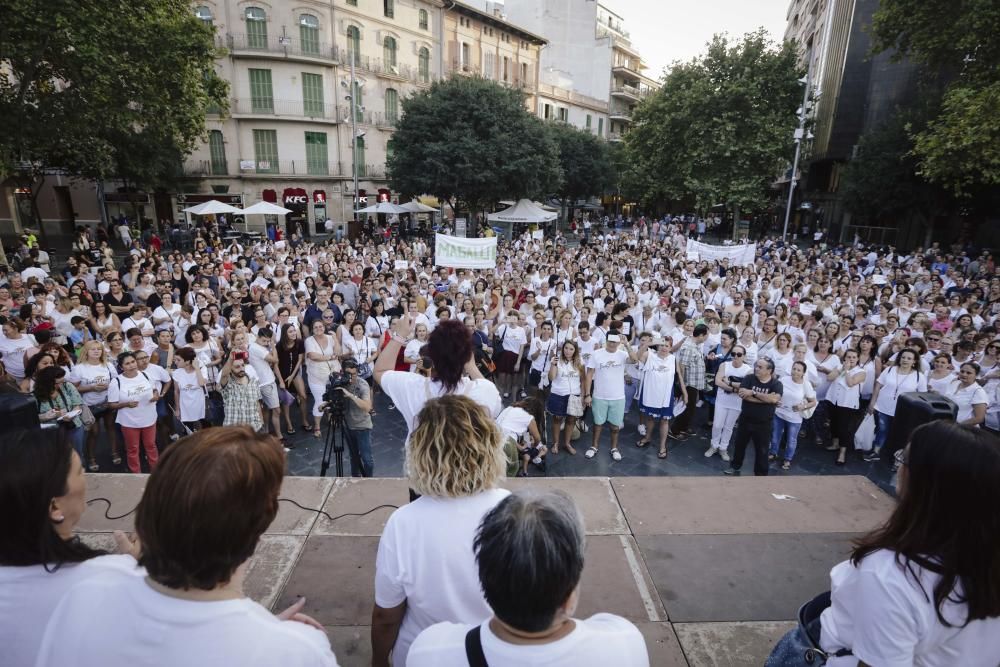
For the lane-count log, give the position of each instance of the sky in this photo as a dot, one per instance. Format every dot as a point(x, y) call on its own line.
point(667, 30)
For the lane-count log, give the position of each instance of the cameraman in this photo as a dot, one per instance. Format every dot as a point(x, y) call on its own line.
point(358, 419)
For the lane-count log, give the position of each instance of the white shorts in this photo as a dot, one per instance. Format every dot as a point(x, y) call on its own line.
point(269, 395)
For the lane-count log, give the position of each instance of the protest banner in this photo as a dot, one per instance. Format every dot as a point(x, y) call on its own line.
point(738, 255)
point(462, 253)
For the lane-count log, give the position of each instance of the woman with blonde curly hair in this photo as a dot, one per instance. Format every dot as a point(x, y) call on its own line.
point(425, 571)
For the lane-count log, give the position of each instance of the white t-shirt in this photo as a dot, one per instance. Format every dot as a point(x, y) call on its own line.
point(410, 392)
point(658, 380)
point(881, 614)
point(545, 358)
point(894, 384)
point(514, 422)
point(792, 393)
point(88, 375)
point(115, 619)
point(425, 558)
point(609, 374)
point(567, 381)
point(966, 397)
point(172, 313)
point(159, 375)
point(29, 595)
point(512, 338)
point(192, 403)
point(263, 368)
point(140, 388)
point(725, 399)
point(13, 353)
point(602, 639)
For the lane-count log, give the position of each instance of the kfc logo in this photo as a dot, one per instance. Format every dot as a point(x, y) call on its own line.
point(296, 199)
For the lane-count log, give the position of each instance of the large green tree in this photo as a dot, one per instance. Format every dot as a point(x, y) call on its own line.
point(720, 128)
point(472, 142)
point(585, 161)
point(960, 147)
point(102, 89)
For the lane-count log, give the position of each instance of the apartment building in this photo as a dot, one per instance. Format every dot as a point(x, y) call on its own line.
point(629, 83)
point(288, 136)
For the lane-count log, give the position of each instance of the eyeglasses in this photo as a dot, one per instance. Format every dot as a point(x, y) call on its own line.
point(737, 354)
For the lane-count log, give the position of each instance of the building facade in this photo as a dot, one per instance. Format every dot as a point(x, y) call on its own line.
point(629, 83)
point(288, 136)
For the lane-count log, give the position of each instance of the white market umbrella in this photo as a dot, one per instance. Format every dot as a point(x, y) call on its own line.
point(384, 207)
point(266, 208)
point(524, 211)
point(212, 207)
point(416, 207)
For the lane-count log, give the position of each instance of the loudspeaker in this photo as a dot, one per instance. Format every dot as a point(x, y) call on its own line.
point(18, 411)
point(912, 410)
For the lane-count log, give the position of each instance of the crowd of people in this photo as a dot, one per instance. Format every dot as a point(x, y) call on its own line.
point(796, 347)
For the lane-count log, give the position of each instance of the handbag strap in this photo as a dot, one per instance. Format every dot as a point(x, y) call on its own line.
point(474, 648)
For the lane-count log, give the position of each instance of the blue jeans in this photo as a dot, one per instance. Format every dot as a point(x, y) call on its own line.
point(791, 649)
point(76, 436)
point(791, 432)
point(630, 391)
point(362, 441)
point(882, 424)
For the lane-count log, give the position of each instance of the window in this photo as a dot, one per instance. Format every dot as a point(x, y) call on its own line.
point(489, 65)
point(312, 95)
point(466, 55)
point(261, 95)
point(563, 114)
point(265, 150)
point(353, 3)
point(388, 8)
point(389, 151)
point(524, 74)
point(309, 34)
point(506, 69)
point(353, 44)
point(317, 161)
point(588, 121)
point(256, 28)
point(422, 20)
point(359, 156)
point(391, 105)
point(424, 64)
point(357, 102)
point(389, 51)
point(600, 127)
point(205, 14)
point(217, 151)
point(547, 112)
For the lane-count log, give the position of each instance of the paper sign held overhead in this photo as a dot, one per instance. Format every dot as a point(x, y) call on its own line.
point(693, 283)
point(400, 265)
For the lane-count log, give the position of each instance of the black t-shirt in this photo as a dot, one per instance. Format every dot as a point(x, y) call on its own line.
point(759, 412)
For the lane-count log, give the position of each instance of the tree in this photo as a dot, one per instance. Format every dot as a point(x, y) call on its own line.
point(960, 147)
point(585, 161)
point(472, 142)
point(84, 86)
point(720, 128)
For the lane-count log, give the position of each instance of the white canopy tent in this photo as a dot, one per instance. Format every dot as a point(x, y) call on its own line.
point(211, 207)
point(384, 207)
point(416, 207)
point(263, 208)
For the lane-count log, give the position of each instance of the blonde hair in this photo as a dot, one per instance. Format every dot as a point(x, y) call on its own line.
point(84, 358)
point(456, 449)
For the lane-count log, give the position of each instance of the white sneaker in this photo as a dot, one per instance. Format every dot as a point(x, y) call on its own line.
point(537, 460)
point(724, 454)
point(641, 428)
point(709, 452)
point(590, 453)
point(524, 394)
point(699, 403)
point(616, 455)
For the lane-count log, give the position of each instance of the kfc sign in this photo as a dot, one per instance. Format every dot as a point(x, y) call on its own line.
point(296, 199)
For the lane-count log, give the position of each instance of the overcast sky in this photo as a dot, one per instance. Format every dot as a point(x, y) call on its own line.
point(668, 30)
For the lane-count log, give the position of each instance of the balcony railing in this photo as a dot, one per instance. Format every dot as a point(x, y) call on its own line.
point(633, 91)
point(571, 96)
point(375, 118)
point(287, 168)
point(620, 114)
point(512, 81)
point(291, 108)
point(379, 67)
point(282, 45)
point(614, 136)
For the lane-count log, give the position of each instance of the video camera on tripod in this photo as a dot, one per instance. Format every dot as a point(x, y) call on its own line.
point(336, 411)
point(335, 400)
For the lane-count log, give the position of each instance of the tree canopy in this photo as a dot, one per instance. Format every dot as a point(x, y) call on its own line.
point(83, 84)
point(959, 148)
point(720, 128)
point(585, 161)
point(471, 140)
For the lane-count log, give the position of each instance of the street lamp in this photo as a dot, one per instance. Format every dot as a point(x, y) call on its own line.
point(354, 109)
point(800, 134)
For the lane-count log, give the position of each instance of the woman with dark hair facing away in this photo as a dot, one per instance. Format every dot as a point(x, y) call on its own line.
point(201, 516)
point(453, 370)
point(59, 402)
point(924, 589)
point(42, 491)
point(530, 555)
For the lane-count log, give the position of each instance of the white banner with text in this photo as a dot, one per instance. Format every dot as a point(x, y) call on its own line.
point(463, 253)
point(738, 255)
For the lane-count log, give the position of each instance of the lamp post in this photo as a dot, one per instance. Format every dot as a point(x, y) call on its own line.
point(354, 108)
point(800, 133)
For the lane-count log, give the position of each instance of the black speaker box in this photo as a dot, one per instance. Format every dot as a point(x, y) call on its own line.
point(912, 410)
point(18, 411)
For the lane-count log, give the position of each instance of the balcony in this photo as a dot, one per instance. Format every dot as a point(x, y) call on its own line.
point(378, 67)
point(630, 92)
point(627, 70)
point(572, 96)
point(278, 47)
point(201, 168)
point(374, 118)
point(614, 137)
point(304, 169)
point(287, 109)
point(621, 115)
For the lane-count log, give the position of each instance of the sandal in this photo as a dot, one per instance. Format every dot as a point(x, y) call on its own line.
point(786, 465)
point(290, 431)
point(643, 443)
point(92, 466)
point(317, 433)
point(572, 452)
point(591, 452)
point(116, 459)
point(662, 455)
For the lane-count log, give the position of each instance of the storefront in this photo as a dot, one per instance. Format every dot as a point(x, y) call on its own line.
point(297, 201)
point(186, 201)
point(319, 211)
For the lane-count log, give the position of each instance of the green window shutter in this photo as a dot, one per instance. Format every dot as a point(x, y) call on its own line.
point(389, 52)
point(359, 156)
point(353, 44)
point(423, 19)
point(391, 105)
point(317, 160)
point(261, 94)
point(588, 121)
point(424, 65)
point(358, 102)
point(600, 127)
point(217, 151)
point(309, 34)
point(265, 148)
point(388, 8)
point(256, 21)
point(312, 95)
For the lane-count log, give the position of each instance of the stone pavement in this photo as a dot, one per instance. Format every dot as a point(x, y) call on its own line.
point(711, 569)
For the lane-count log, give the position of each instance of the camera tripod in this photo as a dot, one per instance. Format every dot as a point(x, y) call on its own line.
point(336, 438)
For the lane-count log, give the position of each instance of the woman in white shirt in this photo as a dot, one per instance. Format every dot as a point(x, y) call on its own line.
point(844, 397)
point(522, 436)
point(91, 376)
point(749, 344)
point(134, 395)
point(727, 402)
point(189, 389)
point(322, 358)
point(13, 344)
point(43, 491)
point(901, 378)
point(969, 396)
point(362, 349)
point(942, 374)
point(921, 589)
point(513, 340)
point(166, 314)
point(378, 323)
point(541, 353)
point(411, 353)
point(797, 396)
point(425, 570)
point(657, 401)
point(565, 377)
